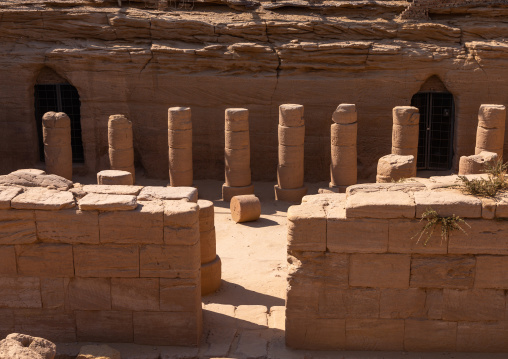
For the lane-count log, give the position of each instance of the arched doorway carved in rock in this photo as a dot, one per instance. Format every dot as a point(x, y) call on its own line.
point(54, 93)
point(437, 117)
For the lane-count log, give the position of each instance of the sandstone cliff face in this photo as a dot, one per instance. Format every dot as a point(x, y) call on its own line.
point(138, 62)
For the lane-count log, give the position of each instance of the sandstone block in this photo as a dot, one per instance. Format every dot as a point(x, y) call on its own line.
point(245, 208)
point(237, 119)
point(179, 295)
point(492, 116)
point(356, 235)
point(236, 140)
point(53, 292)
point(380, 205)
point(491, 272)
point(13, 349)
point(30, 179)
point(229, 192)
point(89, 294)
point(306, 228)
point(54, 325)
point(142, 225)
point(293, 195)
point(375, 187)
point(344, 157)
point(290, 177)
point(403, 303)
point(211, 274)
point(345, 114)
point(442, 272)
point(429, 335)
point(343, 134)
point(405, 136)
point(483, 237)
point(374, 334)
point(167, 328)
point(476, 164)
point(119, 132)
point(180, 159)
point(237, 176)
point(121, 160)
point(448, 203)
point(44, 199)
point(20, 292)
point(136, 294)
point(482, 336)
point(7, 194)
point(106, 261)
point(179, 118)
point(7, 261)
point(406, 237)
point(489, 207)
point(396, 167)
point(291, 156)
point(104, 326)
point(406, 116)
point(208, 245)
point(113, 189)
point(115, 177)
point(68, 226)
point(181, 236)
point(180, 138)
point(177, 261)
point(107, 202)
point(291, 115)
point(181, 178)
point(17, 227)
point(306, 296)
point(30, 171)
point(180, 214)
point(489, 139)
point(206, 214)
point(41, 346)
point(291, 136)
point(315, 333)
point(98, 352)
point(47, 260)
point(56, 128)
point(379, 270)
point(330, 268)
point(348, 303)
point(151, 193)
point(473, 305)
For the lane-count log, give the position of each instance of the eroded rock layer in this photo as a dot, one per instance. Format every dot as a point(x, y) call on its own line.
point(139, 62)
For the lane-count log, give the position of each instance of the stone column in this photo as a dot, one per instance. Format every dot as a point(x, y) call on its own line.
point(291, 154)
point(476, 164)
point(56, 130)
point(180, 146)
point(115, 177)
point(121, 151)
point(237, 154)
point(392, 168)
point(490, 131)
point(343, 169)
point(210, 261)
point(406, 126)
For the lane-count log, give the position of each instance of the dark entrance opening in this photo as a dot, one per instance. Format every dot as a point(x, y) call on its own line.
point(435, 141)
point(60, 98)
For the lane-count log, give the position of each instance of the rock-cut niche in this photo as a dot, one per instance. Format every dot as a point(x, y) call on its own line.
point(53, 93)
point(437, 117)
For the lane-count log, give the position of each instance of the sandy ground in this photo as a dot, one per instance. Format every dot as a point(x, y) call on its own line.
point(245, 318)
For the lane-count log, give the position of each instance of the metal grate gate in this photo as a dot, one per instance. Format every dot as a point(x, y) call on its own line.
point(60, 98)
point(435, 140)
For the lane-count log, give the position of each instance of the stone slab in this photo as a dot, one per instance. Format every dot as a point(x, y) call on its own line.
point(68, 226)
point(306, 228)
point(491, 272)
point(379, 270)
point(17, 227)
point(430, 335)
point(113, 189)
point(104, 326)
point(89, 294)
point(375, 334)
point(7, 261)
point(448, 203)
point(106, 261)
point(150, 193)
point(7, 194)
point(46, 260)
point(107, 202)
point(360, 235)
point(43, 199)
point(178, 261)
point(135, 294)
point(20, 292)
point(442, 271)
point(383, 204)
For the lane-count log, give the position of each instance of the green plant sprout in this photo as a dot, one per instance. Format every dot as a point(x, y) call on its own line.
point(448, 225)
point(487, 187)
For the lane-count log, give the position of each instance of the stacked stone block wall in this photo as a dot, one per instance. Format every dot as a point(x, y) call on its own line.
point(101, 263)
point(360, 280)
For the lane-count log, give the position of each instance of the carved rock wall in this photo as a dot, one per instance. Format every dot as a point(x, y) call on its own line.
point(140, 62)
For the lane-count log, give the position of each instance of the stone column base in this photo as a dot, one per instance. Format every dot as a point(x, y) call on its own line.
point(229, 192)
point(289, 195)
point(337, 189)
point(211, 276)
